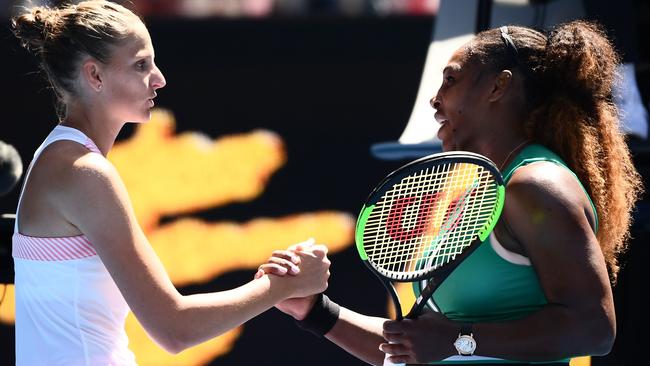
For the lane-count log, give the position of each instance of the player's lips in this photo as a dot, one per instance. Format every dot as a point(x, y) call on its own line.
point(440, 117)
point(150, 100)
point(443, 123)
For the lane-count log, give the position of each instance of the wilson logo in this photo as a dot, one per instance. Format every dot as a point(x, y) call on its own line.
point(431, 214)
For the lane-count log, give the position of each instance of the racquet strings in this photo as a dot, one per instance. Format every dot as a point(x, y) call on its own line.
point(428, 218)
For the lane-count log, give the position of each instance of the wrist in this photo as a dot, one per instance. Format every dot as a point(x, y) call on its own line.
point(322, 317)
point(301, 314)
point(281, 287)
point(465, 343)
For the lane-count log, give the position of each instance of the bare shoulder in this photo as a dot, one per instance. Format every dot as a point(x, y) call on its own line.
point(545, 202)
point(548, 184)
point(78, 177)
point(67, 184)
point(71, 166)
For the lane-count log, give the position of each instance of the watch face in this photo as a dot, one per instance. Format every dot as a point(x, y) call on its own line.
point(465, 344)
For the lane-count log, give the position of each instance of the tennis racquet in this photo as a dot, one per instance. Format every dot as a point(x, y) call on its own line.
point(425, 218)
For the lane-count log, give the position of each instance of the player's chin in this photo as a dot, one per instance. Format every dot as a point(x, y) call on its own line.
point(142, 118)
point(448, 145)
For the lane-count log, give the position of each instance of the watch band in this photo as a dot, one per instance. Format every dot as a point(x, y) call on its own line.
point(466, 329)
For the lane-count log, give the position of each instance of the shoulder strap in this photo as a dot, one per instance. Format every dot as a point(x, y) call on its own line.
point(59, 133)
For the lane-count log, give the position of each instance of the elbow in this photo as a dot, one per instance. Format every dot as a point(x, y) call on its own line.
point(171, 336)
point(604, 343)
point(602, 334)
point(168, 330)
point(177, 342)
point(171, 342)
point(173, 349)
point(175, 346)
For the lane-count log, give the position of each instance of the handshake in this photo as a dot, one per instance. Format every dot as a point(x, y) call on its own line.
point(300, 272)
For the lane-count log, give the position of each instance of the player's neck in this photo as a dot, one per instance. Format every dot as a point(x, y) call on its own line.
point(502, 164)
point(502, 149)
point(103, 133)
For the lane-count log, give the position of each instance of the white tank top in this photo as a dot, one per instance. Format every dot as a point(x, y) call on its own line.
point(68, 309)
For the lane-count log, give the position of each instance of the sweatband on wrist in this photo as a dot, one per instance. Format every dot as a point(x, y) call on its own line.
point(322, 316)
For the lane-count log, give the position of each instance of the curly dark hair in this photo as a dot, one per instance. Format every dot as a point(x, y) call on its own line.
point(568, 76)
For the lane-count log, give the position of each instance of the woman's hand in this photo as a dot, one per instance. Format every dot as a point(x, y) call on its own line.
point(280, 263)
point(427, 338)
point(290, 262)
point(283, 262)
point(313, 272)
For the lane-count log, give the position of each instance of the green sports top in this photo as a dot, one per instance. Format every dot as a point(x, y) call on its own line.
point(493, 284)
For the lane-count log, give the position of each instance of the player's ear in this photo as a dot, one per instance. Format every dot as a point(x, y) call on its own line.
point(502, 82)
point(91, 72)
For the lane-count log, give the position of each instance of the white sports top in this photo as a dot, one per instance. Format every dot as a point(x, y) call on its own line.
point(68, 309)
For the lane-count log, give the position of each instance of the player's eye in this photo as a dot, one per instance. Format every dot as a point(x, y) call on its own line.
point(141, 65)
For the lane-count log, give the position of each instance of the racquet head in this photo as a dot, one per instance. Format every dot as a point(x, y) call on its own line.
point(424, 215)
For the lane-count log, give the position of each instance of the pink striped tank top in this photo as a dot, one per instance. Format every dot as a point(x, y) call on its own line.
point(68, 309)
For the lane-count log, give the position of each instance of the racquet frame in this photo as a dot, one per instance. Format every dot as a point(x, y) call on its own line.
point(438, 275)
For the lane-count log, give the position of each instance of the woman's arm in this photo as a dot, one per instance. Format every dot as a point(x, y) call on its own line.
point(94, 199)
point(549, 215)
point(358, 334)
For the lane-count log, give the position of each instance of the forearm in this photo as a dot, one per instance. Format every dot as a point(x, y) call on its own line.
point(200, 317)
point(359, 335)
point(555, 332)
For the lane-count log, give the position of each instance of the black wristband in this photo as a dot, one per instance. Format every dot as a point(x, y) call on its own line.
point(322, 316)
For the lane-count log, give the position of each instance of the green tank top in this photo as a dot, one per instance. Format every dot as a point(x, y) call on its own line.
point(492, 284)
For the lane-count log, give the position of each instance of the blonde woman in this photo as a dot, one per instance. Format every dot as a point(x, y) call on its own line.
point(81, 260)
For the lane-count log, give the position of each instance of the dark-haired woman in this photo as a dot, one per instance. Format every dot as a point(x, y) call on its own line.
point(538, 289)
point(81, 259)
